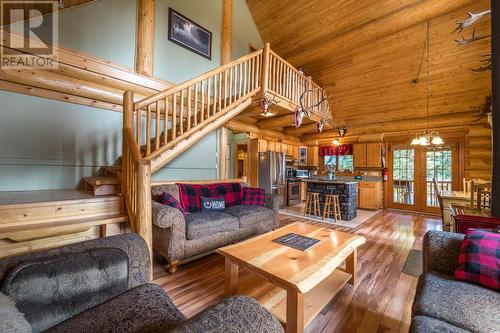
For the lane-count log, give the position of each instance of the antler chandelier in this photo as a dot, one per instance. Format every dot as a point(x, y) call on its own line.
point(427, 137)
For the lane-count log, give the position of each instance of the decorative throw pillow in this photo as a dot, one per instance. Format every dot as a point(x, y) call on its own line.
point(253, 196)
point(168, 199)
point(230, 191)
point(11, 319)
point(213, 204)
point(190, 195)
point(479, 259)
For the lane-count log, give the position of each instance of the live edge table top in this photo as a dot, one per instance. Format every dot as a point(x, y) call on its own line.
point(290, 268)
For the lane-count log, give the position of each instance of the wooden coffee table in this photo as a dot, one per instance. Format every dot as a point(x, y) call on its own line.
point(294, 285)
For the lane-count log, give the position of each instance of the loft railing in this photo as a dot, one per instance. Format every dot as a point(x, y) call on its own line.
point(292, 86)
point(154, 126)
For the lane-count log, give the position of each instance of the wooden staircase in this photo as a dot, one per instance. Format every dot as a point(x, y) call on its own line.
point(159, 128)
point(108, 184)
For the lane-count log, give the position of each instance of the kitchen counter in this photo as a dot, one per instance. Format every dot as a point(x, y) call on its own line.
point(328, 181)
point(346, 190)
point(365, 179)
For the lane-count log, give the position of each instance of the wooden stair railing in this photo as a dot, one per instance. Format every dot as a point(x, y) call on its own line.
point(288, 84)
point(159, 128)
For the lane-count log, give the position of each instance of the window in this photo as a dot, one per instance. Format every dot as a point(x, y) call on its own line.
point(340, 163)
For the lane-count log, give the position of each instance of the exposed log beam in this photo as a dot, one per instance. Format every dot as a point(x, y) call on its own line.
point(277, 121)
point(223, 152)
point(226, 49)
point(226, 43)
point(144, 52)
point(461, 119)
point(384, 26)
point(239, 126)
point(392, 135)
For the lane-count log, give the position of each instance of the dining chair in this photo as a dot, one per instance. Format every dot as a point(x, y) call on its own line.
point(480, 195)
point(467, 183)
point(437, 190)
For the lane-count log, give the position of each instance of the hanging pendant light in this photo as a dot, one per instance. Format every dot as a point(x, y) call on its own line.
point(427, 138)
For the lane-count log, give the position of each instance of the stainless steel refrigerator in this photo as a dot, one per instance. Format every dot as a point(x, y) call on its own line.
point(272, 174)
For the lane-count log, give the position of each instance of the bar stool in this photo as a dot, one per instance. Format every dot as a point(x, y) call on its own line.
point(312, 204)
point(327, 210)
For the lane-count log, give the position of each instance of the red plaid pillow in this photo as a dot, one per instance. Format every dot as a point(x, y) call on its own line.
point(479, 259)
point(253, 196)
point(230, 191)
point(167, 199)
point(190, 196)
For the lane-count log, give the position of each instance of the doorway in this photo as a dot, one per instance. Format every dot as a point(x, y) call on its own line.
point(411, 173)
point(240, 169)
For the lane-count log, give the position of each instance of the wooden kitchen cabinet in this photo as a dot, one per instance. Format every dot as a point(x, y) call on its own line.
point(367, 155)
point(262, 146)
point(296, 152)
point(359, 155)
point(370, 195)
point(303, 190)
point(373, 155)
point(312, 156)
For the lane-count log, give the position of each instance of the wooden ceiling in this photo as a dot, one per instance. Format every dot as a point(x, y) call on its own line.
point(367, 52)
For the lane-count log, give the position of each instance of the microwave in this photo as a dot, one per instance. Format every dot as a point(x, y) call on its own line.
point(303, 173)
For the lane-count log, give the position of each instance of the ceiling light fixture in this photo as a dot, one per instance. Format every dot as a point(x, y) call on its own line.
point(427, 138)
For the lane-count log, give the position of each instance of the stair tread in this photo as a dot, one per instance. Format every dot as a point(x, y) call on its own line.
point(89, 221)
point(97, 181)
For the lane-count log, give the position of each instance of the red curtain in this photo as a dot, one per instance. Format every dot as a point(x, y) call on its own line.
point(335, 150)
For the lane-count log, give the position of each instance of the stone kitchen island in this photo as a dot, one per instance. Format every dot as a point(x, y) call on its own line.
point(346, 190)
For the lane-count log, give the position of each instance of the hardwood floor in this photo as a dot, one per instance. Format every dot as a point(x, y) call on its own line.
point(380, 302)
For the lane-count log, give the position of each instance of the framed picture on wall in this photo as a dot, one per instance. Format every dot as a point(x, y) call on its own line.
point(188, 34)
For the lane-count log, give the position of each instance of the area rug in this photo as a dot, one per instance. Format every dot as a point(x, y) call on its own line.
point(362, 216)
point(413, 264)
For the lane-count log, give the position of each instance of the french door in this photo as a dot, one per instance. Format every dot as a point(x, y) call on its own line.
point(411, 173)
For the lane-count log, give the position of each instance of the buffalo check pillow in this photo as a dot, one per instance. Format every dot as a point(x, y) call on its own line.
point(190, 195)
point(253, 196)
point(479, 259)
point(230, 191)
point(168, 199)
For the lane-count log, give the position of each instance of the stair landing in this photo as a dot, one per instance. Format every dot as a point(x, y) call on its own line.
point(36, 220)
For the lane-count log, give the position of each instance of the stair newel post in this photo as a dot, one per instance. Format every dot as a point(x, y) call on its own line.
point(265, 68)
point(128, 123)
point(144, 207)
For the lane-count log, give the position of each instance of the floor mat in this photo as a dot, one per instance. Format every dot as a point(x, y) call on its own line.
point(413, 264)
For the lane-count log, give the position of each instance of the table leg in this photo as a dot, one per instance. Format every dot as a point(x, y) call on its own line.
point(231, 278)
point(350, 265)
point(294, 312)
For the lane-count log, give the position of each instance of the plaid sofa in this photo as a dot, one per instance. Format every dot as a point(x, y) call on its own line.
point(444, 304)
point(177, 237)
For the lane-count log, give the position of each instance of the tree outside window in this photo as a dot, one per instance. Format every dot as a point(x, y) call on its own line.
point(340, 163)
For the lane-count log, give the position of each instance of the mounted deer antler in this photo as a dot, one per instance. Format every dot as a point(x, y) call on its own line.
point(473, 38)
point(310, 108)
point(473, 18)
point(266, 103)
point(487, 62)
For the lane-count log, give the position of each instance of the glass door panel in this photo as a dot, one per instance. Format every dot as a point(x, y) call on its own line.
point(403, 176)
point(439, 167)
